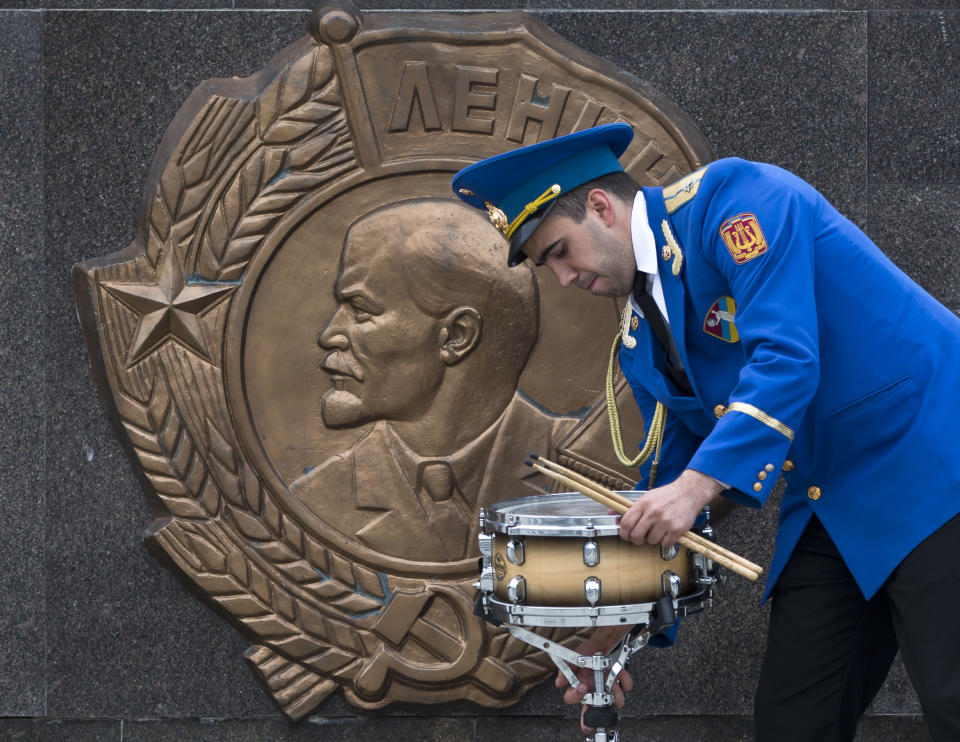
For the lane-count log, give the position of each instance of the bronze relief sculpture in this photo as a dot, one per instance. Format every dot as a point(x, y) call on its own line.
point(321, 364)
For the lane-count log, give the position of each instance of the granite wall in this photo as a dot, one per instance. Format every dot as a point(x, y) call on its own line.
point(97, 640)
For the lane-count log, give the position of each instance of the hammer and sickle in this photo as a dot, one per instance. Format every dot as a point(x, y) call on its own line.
point(406, 619)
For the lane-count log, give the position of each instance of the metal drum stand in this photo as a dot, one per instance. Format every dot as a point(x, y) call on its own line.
point(512, 532)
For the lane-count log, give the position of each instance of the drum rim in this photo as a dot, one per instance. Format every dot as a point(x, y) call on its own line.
point(522, 614)
point(498, 518)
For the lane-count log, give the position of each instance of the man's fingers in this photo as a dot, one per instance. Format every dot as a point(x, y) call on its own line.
point(640, 533)
point(630, 526)
point(618, 698)
point(575, 695)
point(583, 727)
point(628, 522)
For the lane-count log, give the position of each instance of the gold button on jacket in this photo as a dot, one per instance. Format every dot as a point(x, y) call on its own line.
point(788, 465)
point(719, 410)
point(813, 493)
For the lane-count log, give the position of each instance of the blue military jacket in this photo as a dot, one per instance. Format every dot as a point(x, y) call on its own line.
point(809, 353)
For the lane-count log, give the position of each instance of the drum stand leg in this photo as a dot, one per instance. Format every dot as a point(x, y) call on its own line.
point(600, 713)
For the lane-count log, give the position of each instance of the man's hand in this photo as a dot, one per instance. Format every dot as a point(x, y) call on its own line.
point(602, 640)
point(664, 514)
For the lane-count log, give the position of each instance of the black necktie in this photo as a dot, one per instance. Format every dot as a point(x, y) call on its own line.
point(658, 325)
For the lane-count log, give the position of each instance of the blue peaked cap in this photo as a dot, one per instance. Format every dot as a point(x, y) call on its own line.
point(507, 184)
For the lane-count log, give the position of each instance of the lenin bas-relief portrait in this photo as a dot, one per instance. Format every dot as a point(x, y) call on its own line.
point(320, 364)
point(428, 341)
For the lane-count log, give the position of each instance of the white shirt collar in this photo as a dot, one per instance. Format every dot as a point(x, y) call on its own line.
point(644, 245)
point(645, 253)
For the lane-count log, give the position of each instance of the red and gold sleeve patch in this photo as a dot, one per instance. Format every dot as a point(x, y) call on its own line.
point(743, 237)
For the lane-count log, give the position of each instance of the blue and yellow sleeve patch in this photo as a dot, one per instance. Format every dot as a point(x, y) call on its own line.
point(720, 318)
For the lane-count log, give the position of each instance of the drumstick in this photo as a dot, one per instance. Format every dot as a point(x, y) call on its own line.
point(707, 548)
point(597, 487)
point(702, 546)
point(696, 538)
point(586, 481)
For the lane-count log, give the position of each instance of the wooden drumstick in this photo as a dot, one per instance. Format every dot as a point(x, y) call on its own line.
point(620, 504)
point(746, 563)
point(691, 535)
point(691, 540)
point(585, 481)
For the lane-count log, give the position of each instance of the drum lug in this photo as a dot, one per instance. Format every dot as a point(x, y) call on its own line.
point(486, 584)
point(591, 589)
point(670, 582)
point(704, 571)
point(515, 551)
point(517, 589)
point(485, 541)
point(591, 554)
point(669, 552)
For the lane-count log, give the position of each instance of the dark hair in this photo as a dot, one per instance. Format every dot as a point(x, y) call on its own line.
point(573, 203)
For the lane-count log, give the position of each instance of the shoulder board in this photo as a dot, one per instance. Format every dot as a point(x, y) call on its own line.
point(676, 195)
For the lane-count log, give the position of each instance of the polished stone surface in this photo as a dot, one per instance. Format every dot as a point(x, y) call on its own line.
point(125, 637)
point(22, 619)
point(914, 116)
point(411, 728)
point(61, 730)
point(692, 728)
point(800, 94)
point(788, 5)
point(918, 227)
point(93, 629)
point(615, 6)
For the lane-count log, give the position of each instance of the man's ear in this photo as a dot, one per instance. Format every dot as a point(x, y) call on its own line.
point(459, 334)
point(600, 203)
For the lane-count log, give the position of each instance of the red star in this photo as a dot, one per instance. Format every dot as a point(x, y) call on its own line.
point(169, 309)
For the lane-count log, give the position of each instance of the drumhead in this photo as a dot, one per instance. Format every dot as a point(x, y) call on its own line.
point(560, 514)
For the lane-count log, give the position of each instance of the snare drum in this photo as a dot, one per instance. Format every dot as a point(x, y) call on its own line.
point(557, 560)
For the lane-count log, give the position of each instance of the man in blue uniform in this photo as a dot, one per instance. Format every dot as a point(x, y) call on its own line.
point(776, 337)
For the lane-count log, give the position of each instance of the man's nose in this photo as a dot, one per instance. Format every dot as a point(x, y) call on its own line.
point(333, 336)
point(565, 274)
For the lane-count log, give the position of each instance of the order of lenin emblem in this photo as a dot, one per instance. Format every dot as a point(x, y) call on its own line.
point(321, 364)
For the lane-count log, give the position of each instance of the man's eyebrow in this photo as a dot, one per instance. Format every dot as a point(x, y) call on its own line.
point(546, 253)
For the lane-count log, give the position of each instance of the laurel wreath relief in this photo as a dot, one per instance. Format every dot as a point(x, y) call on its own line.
point(311, 612)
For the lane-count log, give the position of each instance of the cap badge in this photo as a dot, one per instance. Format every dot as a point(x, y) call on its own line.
point(498, 218)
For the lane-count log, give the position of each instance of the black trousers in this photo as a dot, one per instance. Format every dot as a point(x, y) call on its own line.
point(829, 650)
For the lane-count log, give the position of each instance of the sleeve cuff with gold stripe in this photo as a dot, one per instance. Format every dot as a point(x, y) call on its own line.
point(758, 414)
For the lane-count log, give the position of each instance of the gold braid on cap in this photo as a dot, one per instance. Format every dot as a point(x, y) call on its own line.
point(655, 427)
point(548, 195)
